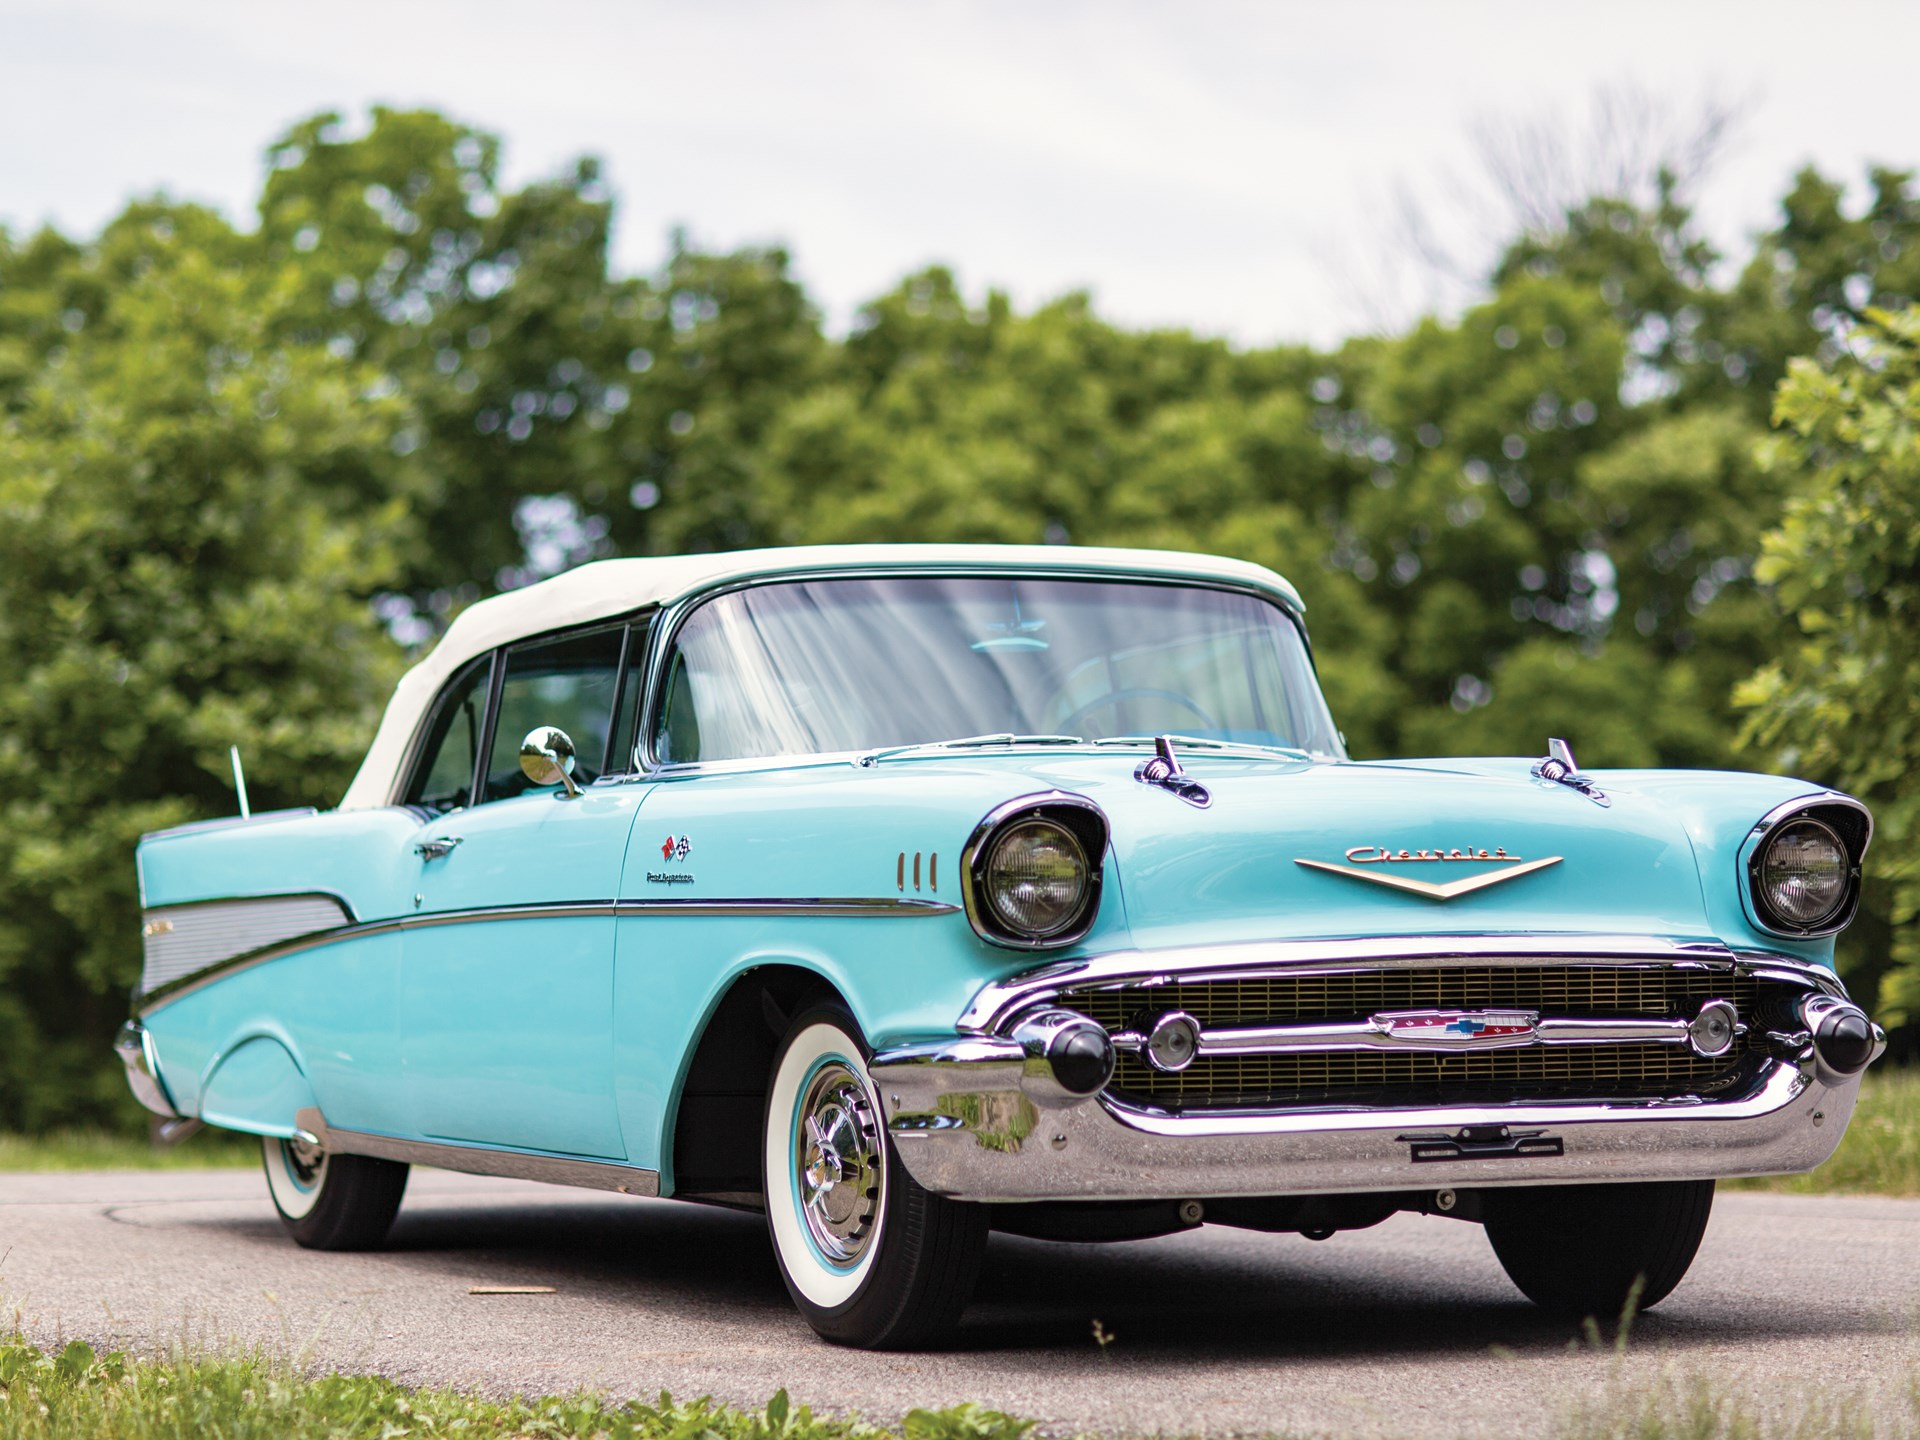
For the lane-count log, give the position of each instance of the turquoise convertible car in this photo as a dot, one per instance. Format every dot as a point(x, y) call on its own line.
point(910, 893)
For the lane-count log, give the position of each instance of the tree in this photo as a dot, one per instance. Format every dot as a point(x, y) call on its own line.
point(177, 573)
point(631, 406)
point(1842, 703)
point(414, 386)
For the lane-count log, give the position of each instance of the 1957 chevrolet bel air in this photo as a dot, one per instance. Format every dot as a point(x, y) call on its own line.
point(909, 893)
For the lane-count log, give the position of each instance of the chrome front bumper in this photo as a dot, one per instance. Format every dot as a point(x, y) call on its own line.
point(980, 1120)
point(982, 1117)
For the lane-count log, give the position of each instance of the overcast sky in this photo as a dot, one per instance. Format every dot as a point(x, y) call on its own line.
point(1221, 165)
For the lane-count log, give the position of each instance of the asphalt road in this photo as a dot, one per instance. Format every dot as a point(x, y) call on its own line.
point(1406, 1329)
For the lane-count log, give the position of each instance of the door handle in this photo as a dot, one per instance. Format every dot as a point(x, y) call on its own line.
point(437, 848)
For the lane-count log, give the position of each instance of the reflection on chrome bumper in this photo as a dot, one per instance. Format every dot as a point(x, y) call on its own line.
point(135, 1048)
point(978, 1119)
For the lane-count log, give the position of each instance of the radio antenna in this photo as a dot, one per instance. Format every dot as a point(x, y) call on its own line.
point(239, 782)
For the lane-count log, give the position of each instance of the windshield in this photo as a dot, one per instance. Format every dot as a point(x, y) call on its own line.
point(820, 667)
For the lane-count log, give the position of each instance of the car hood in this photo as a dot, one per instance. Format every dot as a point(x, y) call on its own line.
point(1293, 849)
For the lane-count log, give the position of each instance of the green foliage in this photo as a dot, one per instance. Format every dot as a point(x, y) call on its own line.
point(192, 518)
point(1843, 702)
point(1881, 1154)
point(531, 371)
point(414, 386)
point(76, 1394)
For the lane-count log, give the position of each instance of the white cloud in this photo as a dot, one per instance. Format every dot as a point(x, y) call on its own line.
point(1207, 164)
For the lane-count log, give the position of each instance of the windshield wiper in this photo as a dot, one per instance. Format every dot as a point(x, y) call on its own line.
point(1202, 742)
point(968, 742)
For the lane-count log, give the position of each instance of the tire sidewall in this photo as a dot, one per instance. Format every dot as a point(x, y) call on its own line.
point(821, 1288)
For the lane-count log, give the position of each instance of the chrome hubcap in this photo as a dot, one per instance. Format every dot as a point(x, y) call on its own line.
point(304, 1160)
point(839, 1160)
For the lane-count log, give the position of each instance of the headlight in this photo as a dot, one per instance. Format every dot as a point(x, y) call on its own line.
point(1031, 870)
point(1805, 874)
point(1036, 879)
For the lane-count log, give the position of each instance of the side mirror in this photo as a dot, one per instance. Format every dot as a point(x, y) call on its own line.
point(546, 758)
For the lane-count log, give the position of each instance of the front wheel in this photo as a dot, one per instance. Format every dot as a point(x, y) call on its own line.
point(870, 1257)
point(332, 1202)
point(1580, 1249)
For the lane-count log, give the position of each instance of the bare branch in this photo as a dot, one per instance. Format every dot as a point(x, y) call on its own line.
point(1436, 240)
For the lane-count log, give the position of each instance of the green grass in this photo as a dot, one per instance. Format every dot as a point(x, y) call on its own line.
point(76, 1394)
point(105, 1150)
point(1693, 1407)
point(1881, 1154)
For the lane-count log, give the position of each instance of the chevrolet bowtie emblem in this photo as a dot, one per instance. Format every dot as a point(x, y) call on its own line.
point(1452, 889)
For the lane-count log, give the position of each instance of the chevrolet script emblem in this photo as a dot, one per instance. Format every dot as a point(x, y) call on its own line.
point(1373, 855)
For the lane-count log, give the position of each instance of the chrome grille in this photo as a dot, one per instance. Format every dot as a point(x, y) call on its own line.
point(1415, 1078)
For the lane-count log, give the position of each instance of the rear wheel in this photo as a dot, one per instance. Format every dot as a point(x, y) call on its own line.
point(332, 1202)
point(870, 1257)
point(1578, 1249)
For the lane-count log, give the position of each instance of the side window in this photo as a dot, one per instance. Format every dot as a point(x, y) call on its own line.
point(443, 777)
point(679, 737)
point(633, 696)
point(569, 683)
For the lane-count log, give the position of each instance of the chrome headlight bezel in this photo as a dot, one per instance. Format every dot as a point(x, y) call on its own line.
point(1851, 826)
point(1080, 821)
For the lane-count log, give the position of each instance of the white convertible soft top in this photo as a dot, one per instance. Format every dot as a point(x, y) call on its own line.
point(607, 588)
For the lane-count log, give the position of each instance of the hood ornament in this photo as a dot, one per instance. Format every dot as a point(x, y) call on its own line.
point(1427, 889)
point(1163, 769)
point(1560, 768)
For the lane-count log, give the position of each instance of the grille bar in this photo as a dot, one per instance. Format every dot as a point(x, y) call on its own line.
point(1374, 1034)
point(1280, 1041)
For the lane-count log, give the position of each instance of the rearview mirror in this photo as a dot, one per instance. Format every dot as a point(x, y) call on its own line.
point(546, 758)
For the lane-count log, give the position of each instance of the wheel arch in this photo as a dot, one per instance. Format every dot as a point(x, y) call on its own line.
point(714, 1122)
point(256, 1087)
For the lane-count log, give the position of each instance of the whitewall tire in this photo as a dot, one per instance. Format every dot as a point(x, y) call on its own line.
point(296, 1172)
point(331, 1202)
point(870, 1258)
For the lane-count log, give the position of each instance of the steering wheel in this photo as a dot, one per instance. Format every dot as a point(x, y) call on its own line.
point(1069, 725)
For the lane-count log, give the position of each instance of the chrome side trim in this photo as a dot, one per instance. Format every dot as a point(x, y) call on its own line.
point(843, 907)
point(850, 906)
point(480, 1160)
point(180, 940)
point(997, 1001)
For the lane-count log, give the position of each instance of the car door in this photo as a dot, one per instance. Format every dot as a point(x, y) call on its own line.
point(507, 965)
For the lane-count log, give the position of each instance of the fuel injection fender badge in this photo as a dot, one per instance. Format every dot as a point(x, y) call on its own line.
point(1429, 890)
